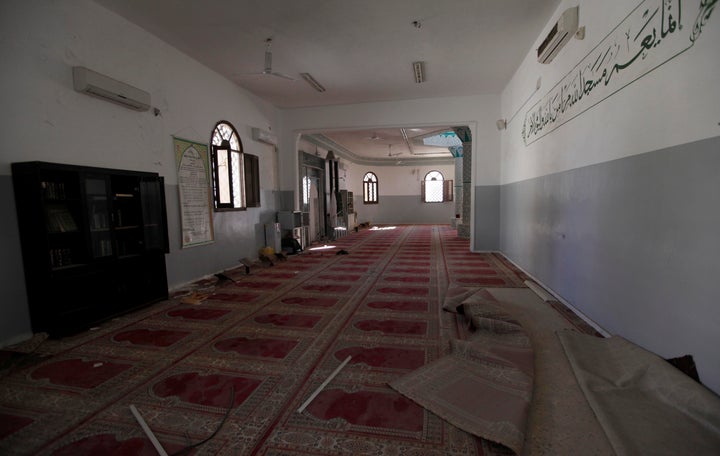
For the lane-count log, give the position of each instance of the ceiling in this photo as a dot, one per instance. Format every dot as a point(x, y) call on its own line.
point(358, 50)
point(406, 146)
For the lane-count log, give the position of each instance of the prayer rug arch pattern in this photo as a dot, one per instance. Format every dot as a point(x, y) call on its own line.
point(265, 340)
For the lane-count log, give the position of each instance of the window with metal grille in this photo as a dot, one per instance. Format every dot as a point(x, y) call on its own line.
point(306, 190)
point(236, 175)
point(435, 189)
point(370, 188)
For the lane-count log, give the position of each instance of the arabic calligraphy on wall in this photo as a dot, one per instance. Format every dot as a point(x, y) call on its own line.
point(652, 34)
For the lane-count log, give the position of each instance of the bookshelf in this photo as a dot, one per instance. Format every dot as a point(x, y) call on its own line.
point(93, 242)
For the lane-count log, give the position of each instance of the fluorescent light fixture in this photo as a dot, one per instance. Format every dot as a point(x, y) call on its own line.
point(313, 83)
point(419, 71)
point(501, 124)
point(382, 228)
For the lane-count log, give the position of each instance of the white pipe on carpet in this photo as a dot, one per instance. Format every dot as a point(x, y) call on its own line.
point(323, 384)
point(148, 431)
point(544, 295)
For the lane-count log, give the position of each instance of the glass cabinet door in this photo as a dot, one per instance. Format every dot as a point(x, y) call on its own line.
point(153, 213)
point(98, 206)
point(63, 216)
point(126, 215)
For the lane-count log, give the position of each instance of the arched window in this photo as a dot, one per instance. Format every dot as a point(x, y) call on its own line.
point(435, 189)
point(370, 188)
point(236, 183)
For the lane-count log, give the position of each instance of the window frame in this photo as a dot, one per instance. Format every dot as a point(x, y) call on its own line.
point(251, 174)
point(374, 185)
point(241, 179)
point(447, 188)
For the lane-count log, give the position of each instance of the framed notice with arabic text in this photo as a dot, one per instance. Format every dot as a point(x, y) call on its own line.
point(193, 171)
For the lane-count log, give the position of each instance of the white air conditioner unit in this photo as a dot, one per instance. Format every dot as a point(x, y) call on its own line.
point(264, 136)
point(107, 88)
point(562, 31)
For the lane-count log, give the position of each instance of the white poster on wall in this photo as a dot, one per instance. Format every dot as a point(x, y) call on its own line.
point(193, 173)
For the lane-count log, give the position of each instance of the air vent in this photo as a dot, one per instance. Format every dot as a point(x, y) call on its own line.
point(264, 136)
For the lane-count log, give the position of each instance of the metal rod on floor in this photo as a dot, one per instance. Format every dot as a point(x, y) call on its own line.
point(540, 291)
point(148, 431)
point(323, 385)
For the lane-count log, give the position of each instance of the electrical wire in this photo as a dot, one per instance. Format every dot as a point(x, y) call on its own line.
point(222, 422)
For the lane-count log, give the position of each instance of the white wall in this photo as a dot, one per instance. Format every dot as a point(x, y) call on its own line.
point(615, 210)
point(43, 118)
point(399, 195)
point(479, 112)
point(399, 190)
point(676, 103)
point(395, 180)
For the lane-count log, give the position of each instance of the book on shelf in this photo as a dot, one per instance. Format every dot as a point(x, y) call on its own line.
point(53, 190)
point(60, 220)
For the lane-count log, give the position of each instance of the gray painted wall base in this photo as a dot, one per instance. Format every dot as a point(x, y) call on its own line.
point(14, 313)
point(633, 243)
point(487, 218)
point(238, 234)
point(286, 200)
point(404, 209)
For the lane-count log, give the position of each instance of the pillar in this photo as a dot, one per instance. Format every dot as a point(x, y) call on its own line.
point(465, 137)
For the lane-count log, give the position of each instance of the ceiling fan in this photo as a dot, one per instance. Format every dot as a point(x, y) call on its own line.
point(374, 137)
point(390, 153)
point(268, 71)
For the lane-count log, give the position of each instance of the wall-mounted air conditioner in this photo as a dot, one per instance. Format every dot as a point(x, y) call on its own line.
point(107, 88)
point(562, 31)
point(264, 136)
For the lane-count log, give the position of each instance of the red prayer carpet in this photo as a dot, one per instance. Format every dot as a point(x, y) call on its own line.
point(259, 345)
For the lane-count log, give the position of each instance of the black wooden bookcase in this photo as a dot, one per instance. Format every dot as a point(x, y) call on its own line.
point(93, 242)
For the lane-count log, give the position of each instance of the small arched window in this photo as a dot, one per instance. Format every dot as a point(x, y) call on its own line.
point(435, 189)
point(370, 188)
